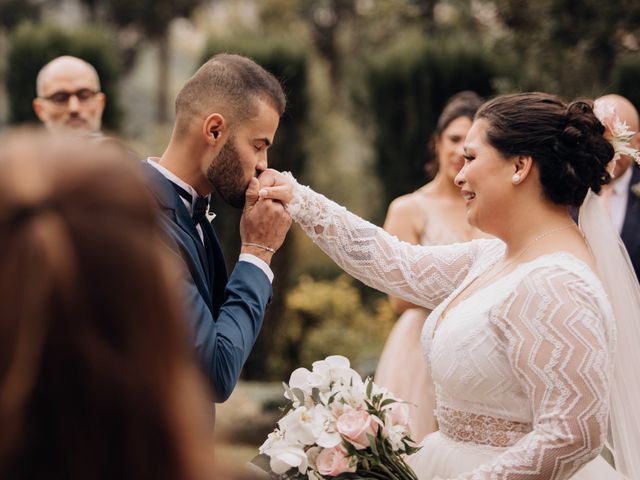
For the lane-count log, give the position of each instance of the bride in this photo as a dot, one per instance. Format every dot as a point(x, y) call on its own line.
point(522, 335)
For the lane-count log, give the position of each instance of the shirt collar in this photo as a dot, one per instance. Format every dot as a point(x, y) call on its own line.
point(172, 177)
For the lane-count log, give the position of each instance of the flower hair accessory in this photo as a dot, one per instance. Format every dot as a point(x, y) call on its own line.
point(619, 133)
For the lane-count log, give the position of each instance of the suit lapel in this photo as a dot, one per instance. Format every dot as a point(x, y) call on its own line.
point(216, 265)
point(631, 227)
point(632, 213)
point(185, 232)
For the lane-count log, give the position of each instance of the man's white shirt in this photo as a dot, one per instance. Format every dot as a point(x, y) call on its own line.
point(617, 202)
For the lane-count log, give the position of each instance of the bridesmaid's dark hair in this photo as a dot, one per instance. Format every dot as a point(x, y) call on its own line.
point(565, 140)
point(462, 104)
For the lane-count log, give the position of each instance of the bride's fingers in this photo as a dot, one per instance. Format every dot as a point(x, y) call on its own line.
point(269, 178)
point(282, 193)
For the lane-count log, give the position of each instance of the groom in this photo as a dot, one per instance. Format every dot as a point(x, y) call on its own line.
point(226, 117)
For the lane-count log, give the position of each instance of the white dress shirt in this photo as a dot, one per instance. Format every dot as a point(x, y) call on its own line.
point(244, 257)
point(617, 201)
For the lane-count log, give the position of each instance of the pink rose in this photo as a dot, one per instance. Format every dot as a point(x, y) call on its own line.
point(399, 413)
point(334, 461)
point(354, 425)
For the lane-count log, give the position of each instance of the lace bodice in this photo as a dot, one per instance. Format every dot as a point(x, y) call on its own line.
point(523, 363)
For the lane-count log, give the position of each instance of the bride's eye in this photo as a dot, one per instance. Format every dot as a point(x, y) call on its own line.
point(468, 158)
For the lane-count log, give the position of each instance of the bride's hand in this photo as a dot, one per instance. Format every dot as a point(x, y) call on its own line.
point(276, 186)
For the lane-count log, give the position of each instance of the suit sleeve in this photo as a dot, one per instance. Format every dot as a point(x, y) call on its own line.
point(223, 344)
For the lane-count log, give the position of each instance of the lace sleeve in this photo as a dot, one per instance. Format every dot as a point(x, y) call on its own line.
point(421, 275)
point(559, 342)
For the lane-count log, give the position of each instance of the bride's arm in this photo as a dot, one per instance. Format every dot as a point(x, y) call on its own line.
point(421, 275)
point(559, 345)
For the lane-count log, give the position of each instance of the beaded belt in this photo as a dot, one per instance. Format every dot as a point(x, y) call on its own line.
point(481, 429)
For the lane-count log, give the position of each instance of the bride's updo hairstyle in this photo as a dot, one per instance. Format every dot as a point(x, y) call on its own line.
point(565, 141)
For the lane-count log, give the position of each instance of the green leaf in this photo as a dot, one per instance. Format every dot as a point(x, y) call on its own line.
point(262, 461)
point(388, 401)
point(350, 449)
point(315, 394)
point(410, 447)
point(288, 391)
point(369, 387)
point(372, 442)
point(299, 394)
point(411, 450)
point(286, 409)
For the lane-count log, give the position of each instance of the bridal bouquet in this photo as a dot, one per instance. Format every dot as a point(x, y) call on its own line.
point(337, 426)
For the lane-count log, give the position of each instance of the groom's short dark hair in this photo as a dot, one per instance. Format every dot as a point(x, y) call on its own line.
point(231, 84)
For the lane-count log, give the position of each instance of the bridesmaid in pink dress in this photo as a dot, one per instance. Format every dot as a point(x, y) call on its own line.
point(434, 214)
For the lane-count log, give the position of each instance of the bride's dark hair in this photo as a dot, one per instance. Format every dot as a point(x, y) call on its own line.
point(565, 140)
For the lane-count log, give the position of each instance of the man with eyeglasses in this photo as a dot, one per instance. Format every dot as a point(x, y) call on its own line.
point(69, 99)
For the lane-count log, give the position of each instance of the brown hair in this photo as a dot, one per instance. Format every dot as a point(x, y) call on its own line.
point(462, 104)
point(565, 141)
point(95, 368)
point(229, 82)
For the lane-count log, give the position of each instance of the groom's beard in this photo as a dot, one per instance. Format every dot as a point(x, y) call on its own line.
point(226, 175)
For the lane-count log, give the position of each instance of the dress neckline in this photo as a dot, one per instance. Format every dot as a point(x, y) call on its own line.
point(439, 319)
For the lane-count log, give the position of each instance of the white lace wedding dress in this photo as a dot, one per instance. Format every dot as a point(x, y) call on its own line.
point(521, 368)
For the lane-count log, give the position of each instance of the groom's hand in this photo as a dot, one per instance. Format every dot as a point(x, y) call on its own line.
point(263, 225)
point(275, 186)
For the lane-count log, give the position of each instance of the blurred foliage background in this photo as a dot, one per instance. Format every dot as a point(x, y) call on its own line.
point(366, 80)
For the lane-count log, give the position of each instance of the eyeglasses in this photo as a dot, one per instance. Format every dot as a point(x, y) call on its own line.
point(62, 97)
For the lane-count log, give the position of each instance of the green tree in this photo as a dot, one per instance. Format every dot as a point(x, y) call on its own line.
point(625, 79)
point(342, 32)
point(408, 85)
point(567, 47)
point(151, 19)
point(13, 12)
point(329, 317)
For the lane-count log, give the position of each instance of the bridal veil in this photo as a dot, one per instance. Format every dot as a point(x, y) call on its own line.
point(621, 285)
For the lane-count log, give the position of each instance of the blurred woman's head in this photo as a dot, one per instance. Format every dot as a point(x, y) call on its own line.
point(96, 378)
point(452, 127)
point(530, 147)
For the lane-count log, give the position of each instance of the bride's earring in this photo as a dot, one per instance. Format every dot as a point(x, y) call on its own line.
point(515, 179)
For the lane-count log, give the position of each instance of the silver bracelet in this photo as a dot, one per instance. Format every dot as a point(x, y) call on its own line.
point(257, 245)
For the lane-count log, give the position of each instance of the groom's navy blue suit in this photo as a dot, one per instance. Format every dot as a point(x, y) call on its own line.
point(631, 227)
point(225, 314)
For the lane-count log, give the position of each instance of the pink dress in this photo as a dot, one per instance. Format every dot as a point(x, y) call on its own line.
point(404, 349)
